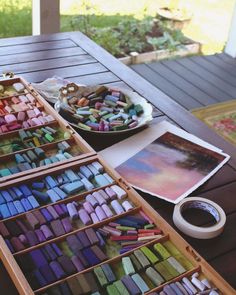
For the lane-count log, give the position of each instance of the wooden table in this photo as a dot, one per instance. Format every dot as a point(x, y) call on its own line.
point(76, 57)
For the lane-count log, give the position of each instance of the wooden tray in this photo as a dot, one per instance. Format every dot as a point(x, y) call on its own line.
point(76, 140)
point(199, 264)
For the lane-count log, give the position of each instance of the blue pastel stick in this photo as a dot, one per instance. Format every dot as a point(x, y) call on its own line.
point(57, 249)
point(39, 277)
point(17, 192)
point(47, 215)
point(101, 180)
point(38, 185)
point(12, 209)
point(25, 190)
point(71, 175)
point(86, 172)
point(53, 195)
point(90, 256)
point(13, 194)
point(73, 187)
point(26, 204)
point(2, 200)
point(140, 283)
point(9, 245)
point(43, 197)
point(20, 209)
point(6, 196)
point(60, 192)
point(34, 203)
point(50, 181)
point(14, 169)
point(5, 211)
point(38, 257)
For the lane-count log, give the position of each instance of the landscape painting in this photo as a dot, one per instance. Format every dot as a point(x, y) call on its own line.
point(171, 167)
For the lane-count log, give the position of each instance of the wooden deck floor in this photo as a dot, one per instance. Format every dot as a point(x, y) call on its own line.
point(193, 81)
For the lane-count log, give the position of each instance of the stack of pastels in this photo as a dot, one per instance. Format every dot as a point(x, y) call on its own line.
point(135, 274)
point(36, 158)
point(14, 89)
point(130, 232)
point(104, 109)
point(50, 189)
point(56, 220)
point(25, 139)
point(53, 262)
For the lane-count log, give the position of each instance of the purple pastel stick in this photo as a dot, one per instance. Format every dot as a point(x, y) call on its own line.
point(56, 249)
point(46, 231)
point(23, 239)
point(85, 218)
point(59, 210)
point(99, 198)
point(77, 263)
point(64, 208)
point(117, 207)
point(110, 193)
point(100, 213)
point(94, 217)
point(88, 207)
point(130, 285)
point(17, 245)
point(104, 194)
point(93, 201)
point(38, 257)
point(47, 215)
point(22, 226)
point(67, 224)
point(9, 245)
point(72, 210)
point(40, 235)
point(101, 240)
point(32, 238)
point(57, 270)
point(127, 206)
point(53, 212)
point(107, 210)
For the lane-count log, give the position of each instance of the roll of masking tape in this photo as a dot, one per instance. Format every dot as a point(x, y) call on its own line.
point(196, 231)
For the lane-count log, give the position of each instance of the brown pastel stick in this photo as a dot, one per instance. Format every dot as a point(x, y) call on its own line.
point(57, 228)
point(3, 230)
point(99, 253)
point(74, 286)
point(33, 221)
point(40, 217)
point(84, 284)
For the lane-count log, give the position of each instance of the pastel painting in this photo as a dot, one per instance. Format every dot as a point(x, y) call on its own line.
point(170, 166)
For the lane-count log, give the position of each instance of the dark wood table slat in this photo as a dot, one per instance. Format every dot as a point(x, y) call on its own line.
point(49, 64)
point(222, 64)
point(96, 78)
point(40, 55)
point(66, 72)
point(12, 50)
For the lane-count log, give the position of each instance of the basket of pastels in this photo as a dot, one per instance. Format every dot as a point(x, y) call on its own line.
point(101, 109)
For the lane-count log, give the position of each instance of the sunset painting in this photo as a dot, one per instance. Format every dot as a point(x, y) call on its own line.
point(170, 166)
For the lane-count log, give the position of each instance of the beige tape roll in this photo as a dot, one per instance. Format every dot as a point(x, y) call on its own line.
point(196, 231)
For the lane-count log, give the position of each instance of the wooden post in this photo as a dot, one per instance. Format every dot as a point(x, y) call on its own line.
point(45, 16)
point(230, 47)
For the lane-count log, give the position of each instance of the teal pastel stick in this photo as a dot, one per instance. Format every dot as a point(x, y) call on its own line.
point(140, 283)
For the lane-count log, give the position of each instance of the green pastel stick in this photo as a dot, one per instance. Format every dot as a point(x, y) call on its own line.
point(128, 266)
point(112, 290)
point(121, 287)
point(176, 265)
point(162, 251)
point(83, 126)
point(49, 137)
point(150, 255)
point(171, 248)
point(149, 226)
point(184, 261)
point(136, 263)
point(163, 271)
point(125, 228)
point(100, 276)
point(170, 268)
point(142, 258)
point(154, 276)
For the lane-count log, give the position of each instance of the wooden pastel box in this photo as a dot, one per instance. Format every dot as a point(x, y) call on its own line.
point(36, 145)
point(64, 246)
